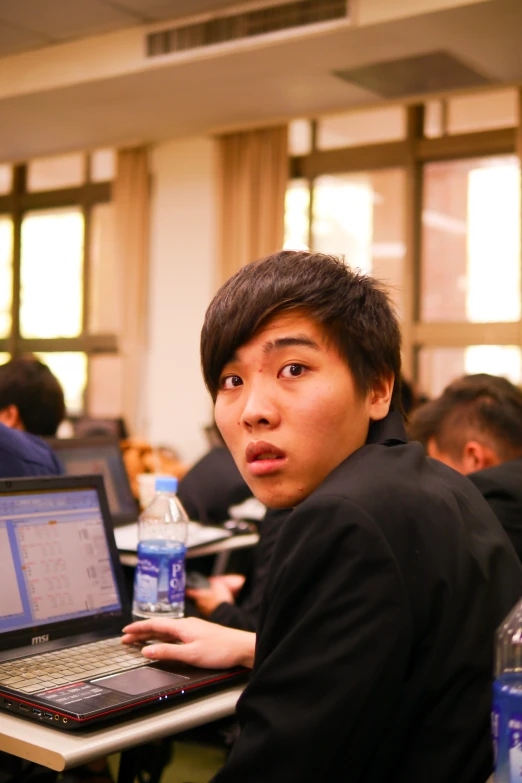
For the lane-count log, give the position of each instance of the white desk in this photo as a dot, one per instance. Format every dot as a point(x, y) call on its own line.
point(221, 548)
point(59, 750)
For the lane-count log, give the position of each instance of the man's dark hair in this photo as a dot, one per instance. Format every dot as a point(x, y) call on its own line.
point(424, 422)
point(30, 385)
point(352, 308)
point(479, 407)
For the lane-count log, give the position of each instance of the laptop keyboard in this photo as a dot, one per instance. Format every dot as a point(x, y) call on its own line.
point(50, 670)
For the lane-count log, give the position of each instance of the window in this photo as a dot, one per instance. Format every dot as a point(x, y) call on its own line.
point(439, 366)
point(471, 240)
point(56, 235)
point(427, 198)
point(357, 216)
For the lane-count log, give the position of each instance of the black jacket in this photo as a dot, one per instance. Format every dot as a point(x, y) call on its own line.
point(375, 646)
point(502, 488)
point(245, 612)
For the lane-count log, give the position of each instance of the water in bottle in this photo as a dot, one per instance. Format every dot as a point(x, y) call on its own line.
point(506, 716)
point(159, 582)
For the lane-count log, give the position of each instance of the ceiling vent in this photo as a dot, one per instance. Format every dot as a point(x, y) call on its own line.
point(246, 25)
point(425, 73)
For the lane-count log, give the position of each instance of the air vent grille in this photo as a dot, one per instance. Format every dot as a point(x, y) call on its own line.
point(248, 24)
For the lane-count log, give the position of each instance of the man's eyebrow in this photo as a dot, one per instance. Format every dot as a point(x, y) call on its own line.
point(287, 342)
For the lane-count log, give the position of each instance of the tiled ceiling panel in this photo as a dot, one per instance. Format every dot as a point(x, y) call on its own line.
point(15, 39)
point(60, 20)
point(425, 73)
point(158, 10)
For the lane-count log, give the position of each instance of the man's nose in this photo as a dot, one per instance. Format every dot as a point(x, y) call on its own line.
point(260, 409)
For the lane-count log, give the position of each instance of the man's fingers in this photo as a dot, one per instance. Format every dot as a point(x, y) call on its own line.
point(165, 628)
point(167, 652)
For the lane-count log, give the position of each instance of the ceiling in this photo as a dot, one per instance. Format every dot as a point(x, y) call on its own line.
point(246, 86)
point(31, 24)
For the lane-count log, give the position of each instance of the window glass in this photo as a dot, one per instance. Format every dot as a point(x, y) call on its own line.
point(63, 171)
point(297, 205)
point(6, 179)
point(6, 274)
point(105, 285)
point(482, 111)
point(361, 127)
point(471, 241)
point(51, 295)
point(299, 137)
point(71, 370)
point(360, 217)
point(103, 165)
point(105, 386)
point(433, 119)
point(440, 366)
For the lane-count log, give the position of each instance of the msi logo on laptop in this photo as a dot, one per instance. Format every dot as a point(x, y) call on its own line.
point(40, 639)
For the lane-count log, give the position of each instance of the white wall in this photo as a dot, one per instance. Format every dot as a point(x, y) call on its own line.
point(182, 282)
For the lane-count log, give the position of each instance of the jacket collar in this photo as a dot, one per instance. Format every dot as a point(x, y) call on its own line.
point(388, 431)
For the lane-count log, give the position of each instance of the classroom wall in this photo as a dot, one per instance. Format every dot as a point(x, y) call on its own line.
point(182, 282)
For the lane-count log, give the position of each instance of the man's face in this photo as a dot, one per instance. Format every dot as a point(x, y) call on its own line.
point(289, 410)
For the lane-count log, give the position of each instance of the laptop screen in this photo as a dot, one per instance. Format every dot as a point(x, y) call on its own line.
point(98, 455)
point(55, 561)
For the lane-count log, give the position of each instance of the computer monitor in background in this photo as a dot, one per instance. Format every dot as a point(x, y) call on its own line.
point(100, 455)
point(87, 426)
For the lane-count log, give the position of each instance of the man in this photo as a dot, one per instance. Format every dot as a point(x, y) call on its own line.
point(374, 653)
point(31, 405)
point(475, 426)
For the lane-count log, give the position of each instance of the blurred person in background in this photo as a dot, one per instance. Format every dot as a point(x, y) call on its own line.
point(475, 427)
point(32, 405)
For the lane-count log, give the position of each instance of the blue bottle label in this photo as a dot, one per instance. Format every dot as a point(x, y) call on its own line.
point(146, 580)
point(177, 577)
point(515, 748)
point(495, 732)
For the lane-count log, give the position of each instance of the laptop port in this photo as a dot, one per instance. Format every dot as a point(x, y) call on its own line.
point(8, 703)
point(37, 712)
point(24, 708)
point(57, 717)
point(48, 715)
point(65, 720)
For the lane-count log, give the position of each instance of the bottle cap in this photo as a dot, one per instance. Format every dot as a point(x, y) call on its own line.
point(167, 484)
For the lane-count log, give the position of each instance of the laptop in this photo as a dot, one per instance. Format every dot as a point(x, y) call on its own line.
point(62, 610)
point(102, 454)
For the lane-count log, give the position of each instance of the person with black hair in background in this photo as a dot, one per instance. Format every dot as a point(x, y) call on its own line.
point(32, 406)
point(475, 427)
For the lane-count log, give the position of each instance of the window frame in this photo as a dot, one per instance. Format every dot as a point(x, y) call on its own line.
point(411, 154)
point(14, 206)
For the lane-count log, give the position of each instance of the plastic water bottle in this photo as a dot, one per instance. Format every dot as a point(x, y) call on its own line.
point(506, 716)
point(159, 581)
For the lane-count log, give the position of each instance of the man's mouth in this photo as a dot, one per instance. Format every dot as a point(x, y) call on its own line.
point(264, 458)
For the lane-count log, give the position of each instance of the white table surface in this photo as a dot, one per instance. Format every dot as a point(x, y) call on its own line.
point(59, 750)
point(214, 548)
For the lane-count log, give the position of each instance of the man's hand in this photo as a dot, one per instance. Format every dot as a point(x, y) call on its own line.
point(203, 644)
point(223, 590)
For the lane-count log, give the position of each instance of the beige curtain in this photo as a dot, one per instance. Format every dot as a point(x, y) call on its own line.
point(253, 175)
point(131, 202)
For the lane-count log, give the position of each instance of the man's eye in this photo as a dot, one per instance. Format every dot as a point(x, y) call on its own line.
point(230, 382)
point(292, 371)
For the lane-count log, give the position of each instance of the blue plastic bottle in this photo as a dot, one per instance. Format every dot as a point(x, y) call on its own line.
point(159, 581)
point(506, 716)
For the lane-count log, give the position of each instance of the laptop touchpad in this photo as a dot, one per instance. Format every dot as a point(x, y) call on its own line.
point(142, 680)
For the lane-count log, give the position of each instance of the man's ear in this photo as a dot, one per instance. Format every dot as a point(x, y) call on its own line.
point(380, 398)
point(10, 416)
point(477, 456)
